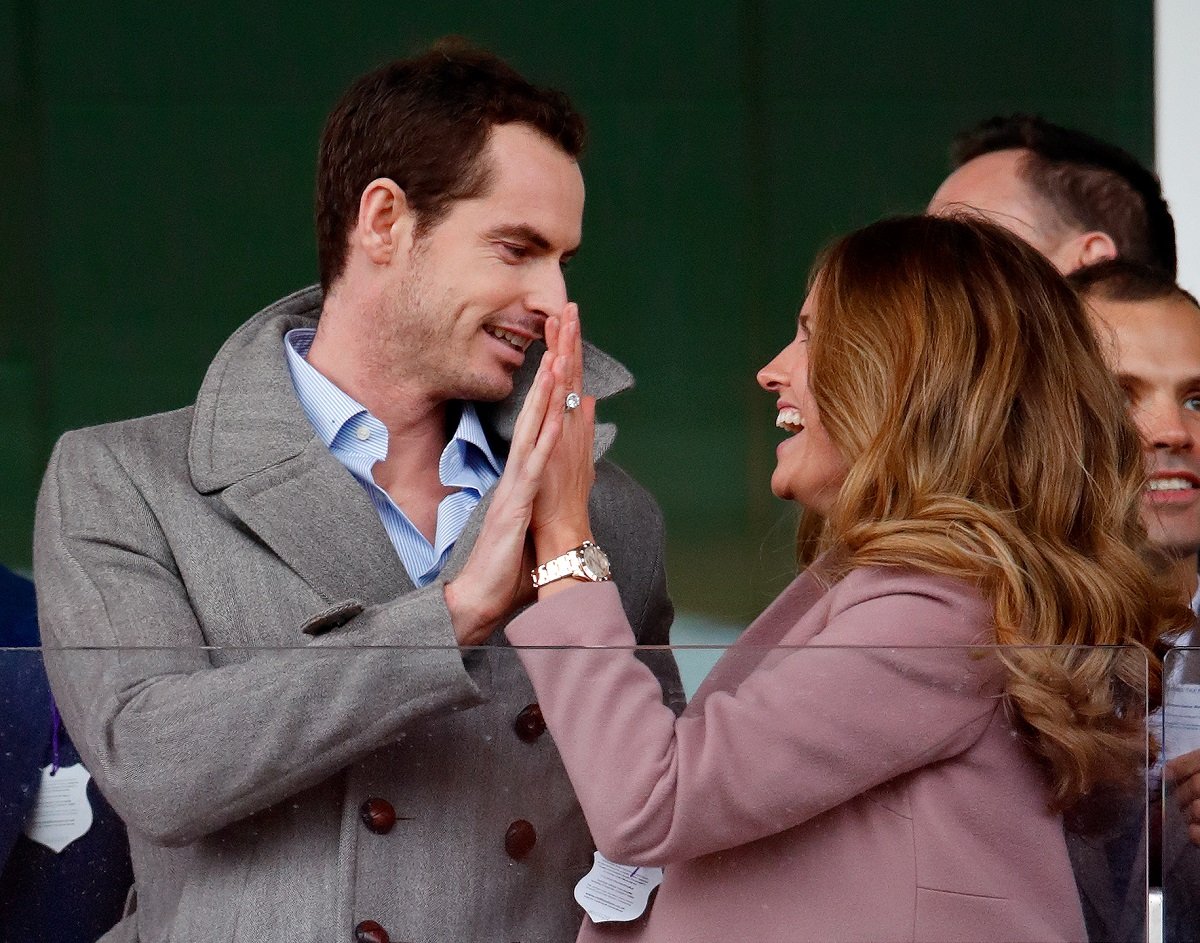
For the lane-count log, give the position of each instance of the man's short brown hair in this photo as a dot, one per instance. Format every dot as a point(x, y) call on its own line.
point(1122, 280)
point(1089, 183)
point(424, 123)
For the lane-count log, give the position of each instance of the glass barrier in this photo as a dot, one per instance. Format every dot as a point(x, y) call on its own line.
point(441, 795)
point(1178, 728)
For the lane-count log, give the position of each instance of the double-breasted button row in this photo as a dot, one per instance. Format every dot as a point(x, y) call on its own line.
point(521, 835)
point(378, 815)
point(519, 839)
point(529, 724)
point(368, 931)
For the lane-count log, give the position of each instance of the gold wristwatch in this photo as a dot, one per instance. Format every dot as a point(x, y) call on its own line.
point(586, 562)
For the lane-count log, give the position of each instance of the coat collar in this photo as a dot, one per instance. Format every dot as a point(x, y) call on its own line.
point(247, 417)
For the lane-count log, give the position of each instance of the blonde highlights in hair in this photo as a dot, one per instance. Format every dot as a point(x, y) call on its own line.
point(956, 371)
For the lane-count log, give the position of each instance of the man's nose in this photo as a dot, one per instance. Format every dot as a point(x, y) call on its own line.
point(1167, 427)
point(548, 291)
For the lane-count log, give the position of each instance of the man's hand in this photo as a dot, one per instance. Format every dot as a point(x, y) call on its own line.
point(1184, 772)
point(495, 580)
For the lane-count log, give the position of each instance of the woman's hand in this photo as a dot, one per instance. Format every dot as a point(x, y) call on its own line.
point(495, 579)
point(560, 510)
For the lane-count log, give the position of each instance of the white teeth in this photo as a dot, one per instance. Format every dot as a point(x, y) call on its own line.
point(1169, 484)
point(789, 420)
point(520, 343)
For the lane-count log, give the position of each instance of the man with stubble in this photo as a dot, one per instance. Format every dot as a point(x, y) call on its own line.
point(327, 492)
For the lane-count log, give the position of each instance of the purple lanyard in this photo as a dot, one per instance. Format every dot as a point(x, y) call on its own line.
point(55, 727)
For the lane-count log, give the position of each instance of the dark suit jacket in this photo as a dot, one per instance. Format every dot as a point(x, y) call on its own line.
point(1107, 844)
point(1109, 856)
point(1180, 858)
point(78, 894)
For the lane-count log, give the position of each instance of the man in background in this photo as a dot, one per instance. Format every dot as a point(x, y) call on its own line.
point(328, 491)
point(1151, 327)
point(1083, 203)
point(1076, 199)
point(1151, 330)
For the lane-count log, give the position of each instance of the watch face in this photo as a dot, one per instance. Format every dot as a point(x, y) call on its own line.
point(595, 562)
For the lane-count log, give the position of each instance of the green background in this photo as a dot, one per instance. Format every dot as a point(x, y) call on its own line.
point(156, 171)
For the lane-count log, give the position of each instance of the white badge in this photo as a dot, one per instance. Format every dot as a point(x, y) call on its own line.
point(61, 813)
point(1181, 719)
point(612, 891)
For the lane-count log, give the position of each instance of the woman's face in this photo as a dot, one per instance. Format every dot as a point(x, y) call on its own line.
point(808, 466)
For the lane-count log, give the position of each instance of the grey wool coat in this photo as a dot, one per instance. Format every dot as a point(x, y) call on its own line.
point(241, 773)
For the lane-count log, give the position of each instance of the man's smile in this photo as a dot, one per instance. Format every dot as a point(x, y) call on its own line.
point(519, 342)
point(1167, 488)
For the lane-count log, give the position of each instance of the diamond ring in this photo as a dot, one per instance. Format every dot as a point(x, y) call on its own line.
point(573, 400)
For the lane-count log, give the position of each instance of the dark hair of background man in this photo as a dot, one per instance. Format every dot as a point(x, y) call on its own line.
point(423, 123)
point(1090, 183)
point(1122, 280)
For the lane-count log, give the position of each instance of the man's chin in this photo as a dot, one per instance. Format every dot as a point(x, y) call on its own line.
point(1169, 549)
point(488, 390)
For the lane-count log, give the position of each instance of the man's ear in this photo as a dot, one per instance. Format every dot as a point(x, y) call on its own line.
point(1088, 248)
point(385, 222)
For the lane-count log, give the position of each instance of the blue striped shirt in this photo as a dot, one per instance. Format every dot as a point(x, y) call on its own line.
point(358, 440)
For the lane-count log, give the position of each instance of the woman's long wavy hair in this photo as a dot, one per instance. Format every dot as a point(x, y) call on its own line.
point(957, 372)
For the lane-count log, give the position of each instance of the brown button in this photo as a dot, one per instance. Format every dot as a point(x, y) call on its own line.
point(370, 932)
point(530, 724)
point(377, 815)
point(519, 839)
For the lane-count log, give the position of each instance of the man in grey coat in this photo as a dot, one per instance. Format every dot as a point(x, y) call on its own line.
point(326, 495)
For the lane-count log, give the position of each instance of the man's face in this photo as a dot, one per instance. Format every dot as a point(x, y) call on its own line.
point(477, 288)
point(991, 186)
point(1154, 347)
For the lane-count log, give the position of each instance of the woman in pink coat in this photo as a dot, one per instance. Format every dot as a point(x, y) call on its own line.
point(857, 767)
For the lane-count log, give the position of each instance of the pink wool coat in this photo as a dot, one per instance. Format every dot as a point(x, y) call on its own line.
point(821, 794)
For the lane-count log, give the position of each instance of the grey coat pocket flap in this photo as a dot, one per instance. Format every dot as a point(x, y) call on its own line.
point(334, 617)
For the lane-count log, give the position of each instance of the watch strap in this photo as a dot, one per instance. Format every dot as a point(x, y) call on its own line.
point(564, 566)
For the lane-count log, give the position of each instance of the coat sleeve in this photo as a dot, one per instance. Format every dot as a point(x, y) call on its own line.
point(629, 525)
point(806, 731)
point(182, 748)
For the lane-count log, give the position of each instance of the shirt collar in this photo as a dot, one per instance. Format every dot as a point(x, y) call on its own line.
point(470, 432)
point(330, 408)
point(327, 406)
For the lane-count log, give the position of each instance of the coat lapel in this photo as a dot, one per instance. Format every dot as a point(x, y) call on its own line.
point(252, 445)
point(319, 521)
point(603, 377)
